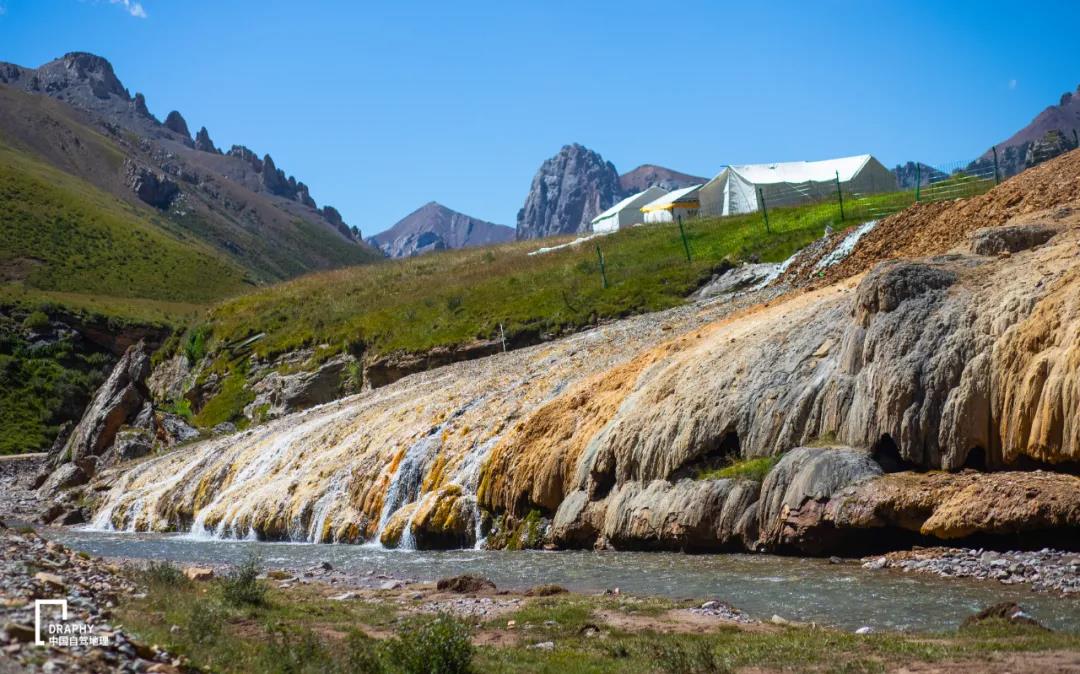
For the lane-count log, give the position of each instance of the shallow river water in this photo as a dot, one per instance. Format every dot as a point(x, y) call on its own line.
point(842, 595)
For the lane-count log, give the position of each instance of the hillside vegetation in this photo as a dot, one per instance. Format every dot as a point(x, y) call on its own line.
point(456, 297)
point(62, 234)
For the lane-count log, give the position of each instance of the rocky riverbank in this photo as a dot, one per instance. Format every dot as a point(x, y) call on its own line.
point(89, 639)
point(1044, 570)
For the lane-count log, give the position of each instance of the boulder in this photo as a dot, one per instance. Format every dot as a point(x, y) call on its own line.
point(578, 521)
point(116, 403)
point(791, 510)
point(997, 240)
point(198, 573)
point(464, 584)
point(174, 429)
point(63, 477)
point(130, 443)
point(690, 515)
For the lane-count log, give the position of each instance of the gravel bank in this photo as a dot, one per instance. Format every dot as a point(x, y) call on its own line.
point(1044, 570)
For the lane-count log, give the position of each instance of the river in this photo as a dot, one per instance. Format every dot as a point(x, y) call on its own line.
point(841, 595)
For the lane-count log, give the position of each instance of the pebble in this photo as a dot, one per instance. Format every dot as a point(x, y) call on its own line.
point(543, 646)
point(721, 611)
point(1046, 570)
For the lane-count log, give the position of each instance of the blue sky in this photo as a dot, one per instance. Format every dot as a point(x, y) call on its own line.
point(381, 107)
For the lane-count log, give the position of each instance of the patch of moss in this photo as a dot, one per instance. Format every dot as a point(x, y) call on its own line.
point(749, 469)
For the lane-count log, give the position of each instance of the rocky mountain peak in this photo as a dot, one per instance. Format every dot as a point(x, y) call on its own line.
point(649, 175)
point(204, 143)
point(90, 68)
point(176, 123)
point(435, 227)
point(568, 191)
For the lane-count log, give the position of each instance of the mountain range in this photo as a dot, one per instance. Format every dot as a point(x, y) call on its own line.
point(74, 115)
point(435, 227)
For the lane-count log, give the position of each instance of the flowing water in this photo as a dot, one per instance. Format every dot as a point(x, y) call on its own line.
point(845, 595)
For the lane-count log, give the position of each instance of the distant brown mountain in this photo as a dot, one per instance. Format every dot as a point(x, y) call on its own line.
point(648, 175)
point(75, 114)
point(435, 227)
point(1052, 132)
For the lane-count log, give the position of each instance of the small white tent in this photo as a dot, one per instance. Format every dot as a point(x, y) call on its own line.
point(736, 188)
point(627, 212)
point(678, 203)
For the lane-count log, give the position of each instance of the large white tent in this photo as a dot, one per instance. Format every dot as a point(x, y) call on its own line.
point(677, 203)
point(737, 188)
point(627, 212)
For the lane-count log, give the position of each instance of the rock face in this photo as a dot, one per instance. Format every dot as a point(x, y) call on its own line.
point(435, 227)
point(568, 191)
point(278, 394)
point(118, 402)
point(152, 188)
point(998, 240)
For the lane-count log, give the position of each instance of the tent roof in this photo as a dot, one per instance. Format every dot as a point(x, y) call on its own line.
point(649, 193)
point(801, 171)
point(671, 199)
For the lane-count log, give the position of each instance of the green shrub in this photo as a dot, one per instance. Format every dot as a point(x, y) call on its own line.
point(436, 646)
point(195, 347)
point(294, 653)
point(204, 624)
point(158, 575)
point(36, 320)
point(241, 587)
point(691, 657)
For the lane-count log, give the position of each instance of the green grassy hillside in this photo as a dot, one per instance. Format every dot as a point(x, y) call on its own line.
point(455, 297)
point(62, 234)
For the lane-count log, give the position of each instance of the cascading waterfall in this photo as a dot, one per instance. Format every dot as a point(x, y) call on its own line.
point(325, 474)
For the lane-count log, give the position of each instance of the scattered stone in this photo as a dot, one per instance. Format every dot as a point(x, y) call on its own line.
point(19, 632)
point(1045, 570)
point(777, 620)
point(543, 646)
point(50, 579)
point(865, 629)
point(198, 573)
point(721, 611)
point(391, 585)
point(1008, 611)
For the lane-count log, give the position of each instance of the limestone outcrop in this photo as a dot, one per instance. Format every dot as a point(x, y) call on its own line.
point(910, 403)
point(119, 402)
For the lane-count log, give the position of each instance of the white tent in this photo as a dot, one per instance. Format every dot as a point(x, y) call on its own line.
point(627, 212)
point(737, 188)
point(677, 203)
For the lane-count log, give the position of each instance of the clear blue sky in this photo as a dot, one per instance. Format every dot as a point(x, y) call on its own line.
point(381, 107)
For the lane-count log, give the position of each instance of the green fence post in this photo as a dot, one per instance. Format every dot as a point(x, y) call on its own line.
point(918, 179)
point(764, 209)
point(682, 232)
point(603, 271)
point(997, 176)
point(840, 196)
point(1076, 141)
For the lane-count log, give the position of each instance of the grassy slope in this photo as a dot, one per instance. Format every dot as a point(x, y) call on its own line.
point(455, 297)
point(61, 234)
point(69, 248)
